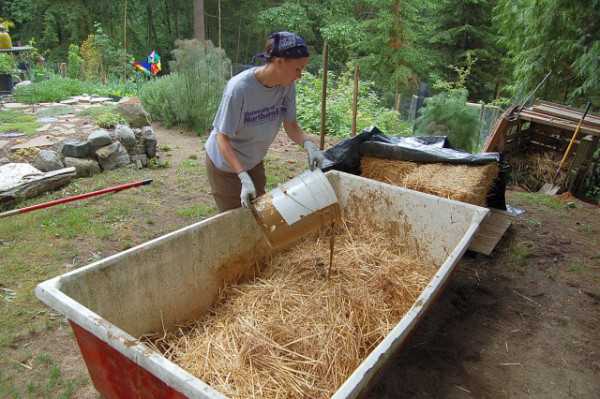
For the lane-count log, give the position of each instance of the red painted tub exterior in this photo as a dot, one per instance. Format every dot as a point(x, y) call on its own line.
point(111, 371)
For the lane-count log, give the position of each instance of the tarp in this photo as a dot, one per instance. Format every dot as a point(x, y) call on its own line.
point(346, 155)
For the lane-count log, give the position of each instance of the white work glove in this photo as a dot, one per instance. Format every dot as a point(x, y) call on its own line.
point(248, 190)
point(315, 156)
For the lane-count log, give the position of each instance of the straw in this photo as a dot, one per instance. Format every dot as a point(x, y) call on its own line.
point(466, 183)
point(532, 170)
point(295, 332)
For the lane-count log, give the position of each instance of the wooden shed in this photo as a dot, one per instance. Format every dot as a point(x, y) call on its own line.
point(534, 140)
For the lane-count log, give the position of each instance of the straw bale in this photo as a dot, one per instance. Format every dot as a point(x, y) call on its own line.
point(294, 331)
point(532, 170)
point(466, 183)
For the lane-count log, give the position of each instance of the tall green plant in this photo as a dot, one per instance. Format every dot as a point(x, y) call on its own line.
point(190, 95)
point(74, 62)
point(339, 106)
point(447, 114)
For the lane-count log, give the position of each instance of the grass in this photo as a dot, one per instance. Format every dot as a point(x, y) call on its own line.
point(55, 111)
point(58, 89)
point(520, 252)
point(199, 211)
point(576, 267)
point(538, 199)
point(278, 171)
point(45, 380)
point(15, 121)
point(105, 116)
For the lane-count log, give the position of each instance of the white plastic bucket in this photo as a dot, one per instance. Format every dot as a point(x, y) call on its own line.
point(303, 195)
point(296, 208)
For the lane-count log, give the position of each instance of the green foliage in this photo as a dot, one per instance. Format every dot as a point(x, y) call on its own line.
point(339, 106)
point(446, 114)
point(189, 95)
point(463, 31)
point(58, 89)
point(552, 35)
point(105, 116)
point(11, 121)
point(592, 182)
point(7, 63)
point(74, 62)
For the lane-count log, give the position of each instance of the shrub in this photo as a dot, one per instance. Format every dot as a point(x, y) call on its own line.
point(74, 62)
point(191, 94)
point(339, 106)
point(7, 64)
point(446, 114)
point(105, 116)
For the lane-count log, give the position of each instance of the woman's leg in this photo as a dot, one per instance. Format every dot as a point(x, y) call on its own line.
point(226, 187)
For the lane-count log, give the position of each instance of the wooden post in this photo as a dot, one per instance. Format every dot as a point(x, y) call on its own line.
point(220, 44)
point(125, 41)
point(355, 99)
point(324, 96)
point(583, 156)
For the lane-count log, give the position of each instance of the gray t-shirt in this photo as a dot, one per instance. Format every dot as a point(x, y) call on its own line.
point(250, 114)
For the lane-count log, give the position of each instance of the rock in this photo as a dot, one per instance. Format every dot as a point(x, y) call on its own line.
point(41, 141)
point(84, 167)
point(132, 110)
point(4, 161)
point(149, 141)
point(3, 143)
point(140, 159)
point(112, 156)
point(83, 99)
point(70, 101)
point(47, 160)
point(99, 138)
point(126, 136)
point(47, 119)
point(138, 133)
point(98, 100)
point(43, 128)
point(23, 83)
point(76, 148)
point(16, 106)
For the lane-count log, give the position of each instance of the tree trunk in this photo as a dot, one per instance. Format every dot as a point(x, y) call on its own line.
point(199, 29)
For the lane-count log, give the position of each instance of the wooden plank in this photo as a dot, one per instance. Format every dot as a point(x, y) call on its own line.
point(556, 122)
point(495, 141)
point(589, 121)
point(553, 142)
point(491, 231)
point(565, 111)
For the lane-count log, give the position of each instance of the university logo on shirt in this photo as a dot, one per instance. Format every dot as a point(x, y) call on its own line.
point(264, 115)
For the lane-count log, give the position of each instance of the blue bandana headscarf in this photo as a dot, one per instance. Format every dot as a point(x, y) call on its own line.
point(285, 45)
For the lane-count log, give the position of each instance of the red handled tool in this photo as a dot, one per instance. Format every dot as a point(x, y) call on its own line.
point(59, 201)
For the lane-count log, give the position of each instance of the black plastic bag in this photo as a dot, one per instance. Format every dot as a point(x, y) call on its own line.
point(346, 155)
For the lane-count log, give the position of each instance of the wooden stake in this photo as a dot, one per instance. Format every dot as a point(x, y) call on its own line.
point(125, 40)
point(355, 99)
point(220, 44)
point(324, 96)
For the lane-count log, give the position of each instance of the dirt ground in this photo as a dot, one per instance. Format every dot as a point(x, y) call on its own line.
point(524, 322)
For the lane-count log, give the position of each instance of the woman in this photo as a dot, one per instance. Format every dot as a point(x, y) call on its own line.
point(254, 104)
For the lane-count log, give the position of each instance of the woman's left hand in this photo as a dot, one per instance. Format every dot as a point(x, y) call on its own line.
point(315, 156)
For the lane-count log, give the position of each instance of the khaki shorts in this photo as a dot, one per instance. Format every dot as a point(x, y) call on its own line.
point(226, 187)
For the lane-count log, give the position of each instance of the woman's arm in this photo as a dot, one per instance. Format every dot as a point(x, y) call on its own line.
point(228, 153)
point(295, 133)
